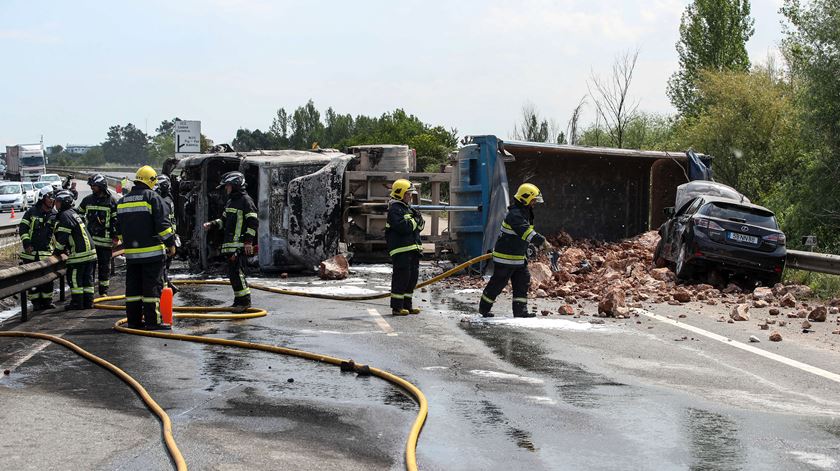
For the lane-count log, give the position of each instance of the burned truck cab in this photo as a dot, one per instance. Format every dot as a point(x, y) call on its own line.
point(298, 195)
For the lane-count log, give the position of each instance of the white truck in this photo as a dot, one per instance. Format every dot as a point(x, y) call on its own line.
point(25, 162)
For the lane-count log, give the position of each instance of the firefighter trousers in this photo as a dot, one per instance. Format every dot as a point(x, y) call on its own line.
point(80, 279)
point(519, 278)
point(404, 279)
point(143, 284)
point(103, 265)
point(236, 275)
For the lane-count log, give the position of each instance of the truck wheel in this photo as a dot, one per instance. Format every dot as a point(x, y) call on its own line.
point(682, 269)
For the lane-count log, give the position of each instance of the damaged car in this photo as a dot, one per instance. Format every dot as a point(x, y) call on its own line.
point(720, 236)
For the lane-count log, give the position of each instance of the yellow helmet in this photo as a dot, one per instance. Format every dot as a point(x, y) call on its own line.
point(528, 192)
point(146, 175)
point(400, 187)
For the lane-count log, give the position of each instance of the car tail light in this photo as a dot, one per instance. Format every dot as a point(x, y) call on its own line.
point(708, 224)
point(778, 238)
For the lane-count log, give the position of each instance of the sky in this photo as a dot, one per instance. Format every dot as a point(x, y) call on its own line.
point(72, 69)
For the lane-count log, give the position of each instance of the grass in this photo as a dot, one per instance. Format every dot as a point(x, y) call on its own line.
point(9, 253)
point(824, 285)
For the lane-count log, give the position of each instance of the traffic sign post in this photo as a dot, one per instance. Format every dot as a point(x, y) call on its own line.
point(187, 138)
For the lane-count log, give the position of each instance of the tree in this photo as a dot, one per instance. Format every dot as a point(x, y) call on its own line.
point(306, 127)
point(750, 126)
point(713, 36)
point(611, 96)
point(126, 145)
point(56, 149)
point(279, 129)
point(573, 129)
point(532, 128)
point(812, 48)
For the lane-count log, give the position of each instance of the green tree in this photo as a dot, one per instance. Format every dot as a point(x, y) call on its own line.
point(306, 127)
point(713, 36)
point(279, 129)
point(750, 126)
point(126, 145)
point(812, 48)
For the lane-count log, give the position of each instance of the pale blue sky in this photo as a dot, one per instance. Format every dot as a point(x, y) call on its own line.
point(71, 69)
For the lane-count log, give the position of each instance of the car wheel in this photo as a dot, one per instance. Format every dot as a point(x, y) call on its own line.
point(683, 269)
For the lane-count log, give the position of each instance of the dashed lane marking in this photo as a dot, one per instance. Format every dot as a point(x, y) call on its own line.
point(749, 348)
point(382, 323)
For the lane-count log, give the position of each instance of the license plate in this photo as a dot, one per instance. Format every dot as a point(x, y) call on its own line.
point(743, 238)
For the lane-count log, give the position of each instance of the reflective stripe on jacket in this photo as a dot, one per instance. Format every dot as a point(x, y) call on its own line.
point(143, 225)
point(71, 237)
point(402, 229)
point(239, 222)
point(517, 232)
point(100, 212)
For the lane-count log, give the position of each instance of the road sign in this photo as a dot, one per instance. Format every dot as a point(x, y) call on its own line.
point(187, 137)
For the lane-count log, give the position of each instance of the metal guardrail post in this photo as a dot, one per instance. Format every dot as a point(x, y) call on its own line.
point(24, 307)
point(61, 288)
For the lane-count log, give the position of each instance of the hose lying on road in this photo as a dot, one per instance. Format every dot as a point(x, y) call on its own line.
point(196, 312)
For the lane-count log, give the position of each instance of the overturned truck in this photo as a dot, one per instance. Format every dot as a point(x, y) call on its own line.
point(310, 204)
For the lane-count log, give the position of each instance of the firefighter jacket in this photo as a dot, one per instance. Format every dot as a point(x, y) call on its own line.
point(170, 210)
point(100, 211)
point(36, 231)
point(517, 232)
point(71, 236)
point(402, 230)
point(239, 222)
point(143, 225)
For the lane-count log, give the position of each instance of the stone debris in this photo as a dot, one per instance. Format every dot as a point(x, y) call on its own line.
point(806, 324)
point(818, 314)
point(788, 300)
point(740, 313)
point(754, 339)
point(335, 268)
point(775, 336)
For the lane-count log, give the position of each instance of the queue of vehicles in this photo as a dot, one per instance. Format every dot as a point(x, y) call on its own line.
point(21, 195)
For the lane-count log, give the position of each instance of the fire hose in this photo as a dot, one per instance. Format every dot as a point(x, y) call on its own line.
point(198, 312)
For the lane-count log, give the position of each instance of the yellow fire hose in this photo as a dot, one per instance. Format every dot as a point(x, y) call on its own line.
point(196, 312)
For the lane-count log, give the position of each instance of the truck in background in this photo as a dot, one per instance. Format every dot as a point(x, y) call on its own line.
point(25, 162)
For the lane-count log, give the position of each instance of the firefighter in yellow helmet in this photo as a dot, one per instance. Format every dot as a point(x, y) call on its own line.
point(145, 229)
point(509, 254)
point(402, 235)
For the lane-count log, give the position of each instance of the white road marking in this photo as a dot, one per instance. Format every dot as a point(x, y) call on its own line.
point(19, 361)
point(381, 322)
point(749, 348)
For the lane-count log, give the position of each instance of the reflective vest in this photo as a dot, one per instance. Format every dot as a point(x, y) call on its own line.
point(402, 230)
point(71, 237)
point(143, 225)
point(36, 231)
point(99, 212)
point(239, 222)
point(516, 233)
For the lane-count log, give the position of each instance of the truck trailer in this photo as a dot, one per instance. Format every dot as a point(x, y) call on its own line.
point(25, 162)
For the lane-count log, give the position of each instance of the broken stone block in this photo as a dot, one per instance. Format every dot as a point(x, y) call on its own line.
point(775, 336)
point(806, 324)
point(788, 300)
point(819, 314)
point(566, 310)
point(802, 313)
point(335, 268)
point(682, 295)
point(754, 339)
point(613, 303)
point(740, 313)
point(774, 311)
point(763, 293)
point(760, 303)
point(663, 274)
point(540, 293)
point(540, 274)
point(782, 322)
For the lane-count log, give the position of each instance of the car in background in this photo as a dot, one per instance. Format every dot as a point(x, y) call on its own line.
point(12, 197)
point(39, 185)
point(31, 193)
point(713, 234)
point(53, 178)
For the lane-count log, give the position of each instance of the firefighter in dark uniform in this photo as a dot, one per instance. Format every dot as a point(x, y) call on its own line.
point(239, 223)
point(402, 236)
point(164, 188)
point(100, 210)
point(143, 225)
point(509, 254)
point(71, 237)
point(36, 233)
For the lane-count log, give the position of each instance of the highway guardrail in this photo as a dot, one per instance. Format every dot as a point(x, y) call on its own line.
point(812, 261)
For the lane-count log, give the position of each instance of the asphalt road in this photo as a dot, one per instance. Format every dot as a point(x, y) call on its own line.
point(543, 393)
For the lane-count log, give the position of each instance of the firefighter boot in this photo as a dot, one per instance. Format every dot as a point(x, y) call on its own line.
point(87, 300)
point(484, 307)
point(399, 312)
point(103, 290)
point(76, 303)
point(520, 309)
point(241, 303)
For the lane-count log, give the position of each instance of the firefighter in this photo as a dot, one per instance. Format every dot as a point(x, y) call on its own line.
point(143, 225)
point(36, 232)
point(164, 188)
point(239, 223)
point(71, 237)
point(100, 210)
point(509, 254)
point(402, 235)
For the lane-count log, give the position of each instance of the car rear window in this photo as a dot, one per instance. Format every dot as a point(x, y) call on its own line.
point(753, 216)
